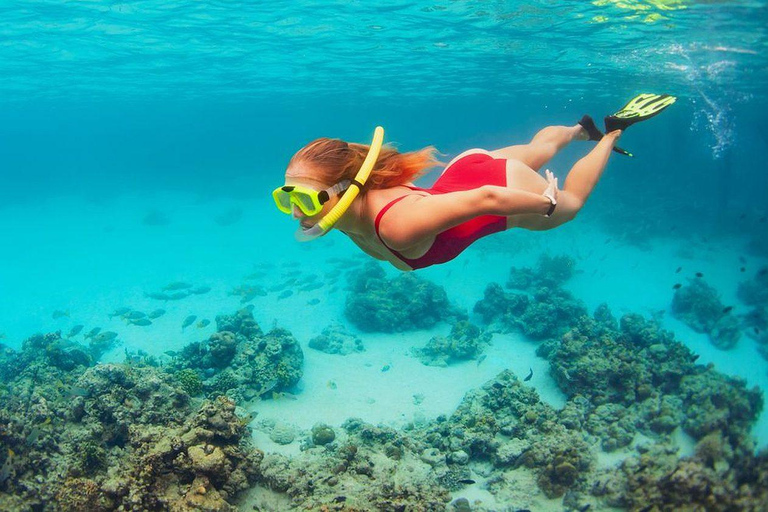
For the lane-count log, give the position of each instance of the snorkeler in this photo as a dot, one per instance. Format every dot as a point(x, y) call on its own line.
point(480, 192)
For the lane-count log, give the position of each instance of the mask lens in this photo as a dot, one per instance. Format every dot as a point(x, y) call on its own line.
point(282, 200)
point(305, 202)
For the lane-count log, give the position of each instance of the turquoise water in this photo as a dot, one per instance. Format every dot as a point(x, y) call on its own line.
point(140, 141)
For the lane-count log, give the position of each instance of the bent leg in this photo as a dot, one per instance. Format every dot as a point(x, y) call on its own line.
point(544, 145)
point(579, 183)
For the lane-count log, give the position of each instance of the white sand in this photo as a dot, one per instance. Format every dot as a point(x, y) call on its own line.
point(90, 258)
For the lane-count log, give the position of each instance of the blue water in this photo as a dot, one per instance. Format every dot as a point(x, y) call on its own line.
point(112, 111)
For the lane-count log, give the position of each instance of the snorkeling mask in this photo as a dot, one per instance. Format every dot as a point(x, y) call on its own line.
point(310, 201)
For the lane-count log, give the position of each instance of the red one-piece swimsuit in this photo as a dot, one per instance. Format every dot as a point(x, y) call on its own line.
point(469, 172)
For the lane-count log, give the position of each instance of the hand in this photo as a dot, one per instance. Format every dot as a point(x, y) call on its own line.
point(551, 190)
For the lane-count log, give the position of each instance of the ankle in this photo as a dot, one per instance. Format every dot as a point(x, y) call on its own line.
point(579, 133)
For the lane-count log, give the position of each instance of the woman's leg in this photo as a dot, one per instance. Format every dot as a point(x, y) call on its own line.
point(579, 183)
point(544, 145)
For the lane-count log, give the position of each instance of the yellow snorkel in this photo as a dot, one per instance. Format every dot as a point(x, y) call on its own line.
point(327, 222)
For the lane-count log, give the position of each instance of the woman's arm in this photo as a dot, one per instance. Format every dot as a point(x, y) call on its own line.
point(412, 220)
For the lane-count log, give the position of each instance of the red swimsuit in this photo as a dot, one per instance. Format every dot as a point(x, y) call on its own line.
point(469, 172)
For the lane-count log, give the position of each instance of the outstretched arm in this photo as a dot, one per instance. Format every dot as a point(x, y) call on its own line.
point(412, 220)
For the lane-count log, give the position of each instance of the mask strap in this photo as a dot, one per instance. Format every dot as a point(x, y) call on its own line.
point(339, 187)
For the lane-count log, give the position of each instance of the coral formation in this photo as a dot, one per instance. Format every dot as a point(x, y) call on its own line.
point(405, 303)
point(698, 305)
point(111, 437)
point(134, 437)
point(546, 314)
point(241, 361)
point(550, 272)
point(466, 341)
point(336, 340)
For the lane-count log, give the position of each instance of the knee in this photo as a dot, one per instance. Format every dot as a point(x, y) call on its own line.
point(569, 206)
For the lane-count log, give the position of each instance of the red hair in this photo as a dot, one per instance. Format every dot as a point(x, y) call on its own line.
point(333, 160)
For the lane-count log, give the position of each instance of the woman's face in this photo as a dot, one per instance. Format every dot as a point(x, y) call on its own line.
point(299, 175)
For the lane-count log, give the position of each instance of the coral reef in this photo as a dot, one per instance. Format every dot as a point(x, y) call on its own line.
point(547, 314)
point(642, 368)
point(405, 303)
point(466, 341)
point(754, 291)
point(241, 361)
point(550, 272)
point(698, 305)
point(111, 437)
point(336, 340)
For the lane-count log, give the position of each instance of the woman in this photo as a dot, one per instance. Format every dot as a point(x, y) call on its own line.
point(480, 192)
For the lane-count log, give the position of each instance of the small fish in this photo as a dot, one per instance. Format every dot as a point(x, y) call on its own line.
point(5, 470)
point(171, 353)
point(285, 294)
point(59, 314)
point(141, 322)
point(178, 295)
point(176, 286)
point(678, 270)
point(120, 312)
point(188, 321)
point(763, 271)
point(203, 323)
point(105, 336)
point(75, 391)
point(313, 302)
point(93, 332)
point(134, 315)
point(466, 481)
point(157, 296)
point(75, 330)
point(699, 274)
point(200, 290)
point(727, 309)
point(385, 368)
point(331, 384)
point(311, 286)
point(743, 269)
point(248, 418)
point(156, 314)
point(34, 434)
point(529, 376)
point(677, 286)
point(481, 359)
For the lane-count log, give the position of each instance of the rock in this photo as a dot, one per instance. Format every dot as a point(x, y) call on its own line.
point(432, 456)
point(322, 434)
point(282, 433)
point(207, 458)
point(459, 457)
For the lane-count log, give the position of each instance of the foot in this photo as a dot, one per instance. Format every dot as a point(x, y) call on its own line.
point(589, 128)
point(593, 133)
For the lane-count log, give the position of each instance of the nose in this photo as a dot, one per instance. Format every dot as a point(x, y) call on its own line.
point(297, 213)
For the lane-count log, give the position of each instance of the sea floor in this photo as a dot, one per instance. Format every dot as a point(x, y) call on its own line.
point(87, 258)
